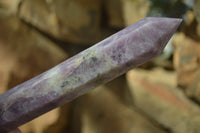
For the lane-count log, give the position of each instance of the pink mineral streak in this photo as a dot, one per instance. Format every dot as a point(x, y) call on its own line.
point(92, 67)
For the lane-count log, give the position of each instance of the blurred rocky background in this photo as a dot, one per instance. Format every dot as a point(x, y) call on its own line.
point(161, 96)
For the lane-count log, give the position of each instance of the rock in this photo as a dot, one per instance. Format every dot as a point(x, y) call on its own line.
point(114, 11)
point(73, 21)
point(186, 60)
point(198, 29)
point(134, 10)
point(28, 49)
point(9, 7)
point(118, 87)
point(196, 8)
point(156, 95)
point(101, 112)
point(6, 66)
point(39, 124)
point(62, 123)
point(190, 26)
point(25, 53)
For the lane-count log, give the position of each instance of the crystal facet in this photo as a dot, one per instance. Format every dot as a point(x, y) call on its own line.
point(96, 65)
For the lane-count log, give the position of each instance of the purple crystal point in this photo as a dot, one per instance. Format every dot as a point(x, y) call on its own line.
point(96, 65)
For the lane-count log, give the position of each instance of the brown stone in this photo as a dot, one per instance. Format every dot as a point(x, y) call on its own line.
point(75, 21)
point(114, 10)
point(135, 10)
point(25, 53)
point(39, 124)
point(9, 7)
point(197, 9)
point(156, 95)
point(7, 63)
point(186, 60)
point(31, 52)
point(102, 112)
point(190, 26)
point(63, 120)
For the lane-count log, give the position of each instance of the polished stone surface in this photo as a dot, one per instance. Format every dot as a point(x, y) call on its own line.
point(98, 64)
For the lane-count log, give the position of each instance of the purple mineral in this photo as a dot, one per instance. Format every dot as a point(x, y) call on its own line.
point(96, 65)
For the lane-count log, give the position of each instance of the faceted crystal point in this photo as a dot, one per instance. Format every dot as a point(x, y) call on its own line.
point(96, 65)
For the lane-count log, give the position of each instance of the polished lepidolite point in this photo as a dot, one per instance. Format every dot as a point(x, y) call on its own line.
point(92, 67)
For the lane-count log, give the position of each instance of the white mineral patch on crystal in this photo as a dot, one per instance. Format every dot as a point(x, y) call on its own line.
point(52, 72)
